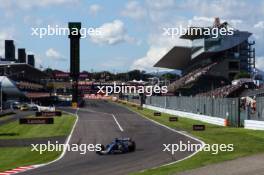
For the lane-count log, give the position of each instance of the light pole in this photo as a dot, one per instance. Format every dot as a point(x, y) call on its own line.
point(1, 96)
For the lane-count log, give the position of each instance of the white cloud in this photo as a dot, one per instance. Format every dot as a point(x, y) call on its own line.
point(134, 10)
point(160, 10)
point(3, 36)
point(32, 20)
point(5, 4)
point(159, 45)
point(235, 9)
point(203, 18)
point(112, 33)
point(260, 24)
point(239, 14)
point(260, 63)
point(52, 53)
point(94, 9)
point(11, 8)
point(115, 63)
point(160, 4)
point(28, 4)
point(204, 21)
point(152, 56)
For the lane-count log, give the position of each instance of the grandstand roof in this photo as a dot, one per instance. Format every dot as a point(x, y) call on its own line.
point(176, 58)
point(192, 36)
point(15, 68)
point(179, 57)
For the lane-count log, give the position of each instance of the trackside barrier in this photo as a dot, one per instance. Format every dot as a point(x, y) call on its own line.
point(44, 108)
point(203, 118)
point(96, 97)
point(128, 102)
point(226, 123)
point(131, 99)
point(6, 112)
point(254, 124)
point(224, 108)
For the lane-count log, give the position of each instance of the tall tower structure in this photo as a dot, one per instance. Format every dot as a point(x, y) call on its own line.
point(22, 55)
point(74, 36)
point(9, 50)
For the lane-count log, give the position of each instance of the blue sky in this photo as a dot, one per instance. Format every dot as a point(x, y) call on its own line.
point(134, 25)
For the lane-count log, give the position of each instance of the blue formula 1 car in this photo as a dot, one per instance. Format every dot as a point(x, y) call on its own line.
point(118, 146)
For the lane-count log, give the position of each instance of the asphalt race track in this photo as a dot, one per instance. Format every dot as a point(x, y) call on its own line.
point(97, 125)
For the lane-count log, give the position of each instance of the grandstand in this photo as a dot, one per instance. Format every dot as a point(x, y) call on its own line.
point(231, 90)
point(211, 62)
point(23, 81)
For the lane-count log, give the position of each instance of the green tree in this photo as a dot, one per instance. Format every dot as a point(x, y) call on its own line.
point(170, 76)
point(242, 74)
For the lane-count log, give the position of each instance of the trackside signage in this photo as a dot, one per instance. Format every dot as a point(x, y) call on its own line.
point(36, 121)
point(157, 114)
point(198, 127)
point(173, 119)
point(48, 113)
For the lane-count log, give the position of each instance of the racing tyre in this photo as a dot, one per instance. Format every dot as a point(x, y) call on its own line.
point(132, 146)
point(102, 149)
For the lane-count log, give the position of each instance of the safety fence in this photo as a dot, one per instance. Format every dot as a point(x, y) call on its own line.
point(231, 109)
point(259, 108)
point(226, 108)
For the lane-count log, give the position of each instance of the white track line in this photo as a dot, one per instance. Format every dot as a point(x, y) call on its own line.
point(68, 139)
point(64, 150)
point(118, 124)
point(173, 130)
point(121, 129)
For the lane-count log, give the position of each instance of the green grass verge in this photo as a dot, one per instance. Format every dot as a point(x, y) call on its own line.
point(246, 142)
point(12, 157)
point(22, 156)
point(61, 127)
point(6, 117)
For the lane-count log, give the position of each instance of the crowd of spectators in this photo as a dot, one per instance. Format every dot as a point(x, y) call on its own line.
point(224, 91)
point(189, 78)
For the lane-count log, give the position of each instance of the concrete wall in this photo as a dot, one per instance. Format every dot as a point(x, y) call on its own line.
point(204, 118)
point(254, 124)
point(225, 108)
point(248, 124)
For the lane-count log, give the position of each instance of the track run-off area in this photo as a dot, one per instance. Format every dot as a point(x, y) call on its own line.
point(99, 122)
